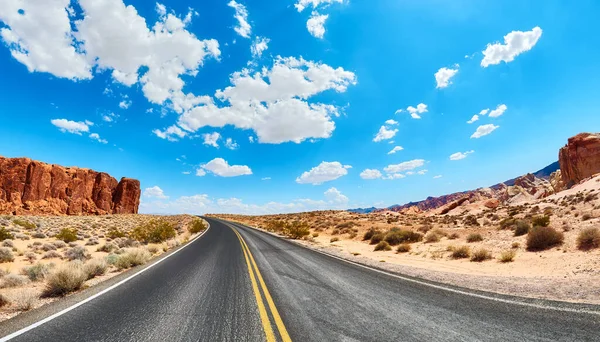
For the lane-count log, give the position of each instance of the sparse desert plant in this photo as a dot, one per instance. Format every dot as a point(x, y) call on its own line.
point(471, 220)
point(3, 301)
point(24, 299)
point(67, 235)
point(586, 216)
point(541, 238)
point(92, 242)
point(403, 248)
point(77, 253)
point(152, 249)
point(114, 233)
point(432, 237)
point(588, 238)
point(382, 246)
point(65, 279)
point(48, 247)
point(13, 280)
point(540, 221)
point(154, 231)
point(5, 235)
point(461, 252)
point(36, 272)
point(521, 227)
point(507, 223)
point(6, 255)
point(197, 226)
point(51, 255)
point(369, 233)
point(376, 238)
point(38, 235)
point(334, 239)
point(111, 259)
point(453, 236)
point(24, 223)
point(425, 228)
point(31, 257)
point(474, 237)
point(507, 255)
point(59, 244)
point(481, 254)
point(95, 268)
point(8, 243)
point(315, 235)
point(297, 230)
point(133, 257)
point(515, 245)
point(397, 236)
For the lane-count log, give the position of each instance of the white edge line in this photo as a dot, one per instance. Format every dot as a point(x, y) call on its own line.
point(88, 299)
point(440, 287)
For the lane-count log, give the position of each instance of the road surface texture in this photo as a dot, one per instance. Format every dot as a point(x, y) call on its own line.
point(239, 284)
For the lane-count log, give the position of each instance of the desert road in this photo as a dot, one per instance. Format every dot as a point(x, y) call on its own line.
point(238, 284)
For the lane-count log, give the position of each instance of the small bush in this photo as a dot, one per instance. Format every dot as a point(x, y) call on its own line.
point(588, 239)
point(67, 235)
point(396, 236)
point(432, 237)
point(315, 235)
point(6, 255)
point(461, 252)
point(38, 235)
point(334, 239)
point(36, 272)
point(541, 221)
point(515, 245)
point(507, 256)
point(541, 238)
point(152, 249)
point(403, 248)
point(64, 280)
point(154, 231)
point(480, 255)
point(507, 223)
point(8, 243)
point(382, 246)
point(586, 217)
point(114, 233)
point(95, 268)
point(297, 230)
point(453, 236)
point(77, 253)
point(474, 237)
point(133, 257)
point(376, 238)
point(51, 255)
point(59, 244)
point(24, 223)
point(24, 300)
point(522, 228)
point(197, 227)
point(13, 280)
point(5, 235)
point(369, 234)
point(3, 301)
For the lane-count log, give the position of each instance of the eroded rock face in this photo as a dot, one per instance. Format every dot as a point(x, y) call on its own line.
point(32, 187)
point(580, 158)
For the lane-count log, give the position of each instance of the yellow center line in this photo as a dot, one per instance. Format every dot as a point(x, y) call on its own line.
point(261, 306)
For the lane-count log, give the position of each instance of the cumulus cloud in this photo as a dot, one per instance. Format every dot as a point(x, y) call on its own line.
point(110, 117)
point(172, 133)
point(316, 24)
point(200, 172)
point(324, 172)
point(96, 136)
point(484, 111)
point(460, 155)
point(125, 104)
point(473, 119)
point(396, 149)
point(230, 144)
point(414, 112)
point(515, 43)
point(265, 178)
point(155, 192)
point(443, 76)
point(498, 111)
point(221, 167)
point(211, 139)
point(404, 166)
point(241, 15)
point(437, 177)
point(259, 45)
point(484, 130)
point(391, 122)
point(385, 134)
point(370, 174)
point(302, 4)
point(75, 127)
point(335, 196)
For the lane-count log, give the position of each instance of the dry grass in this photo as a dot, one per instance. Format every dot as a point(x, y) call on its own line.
point(480, 255)
point(541, 238)
point(24, 300)
point(65, 279)
point(507, 256)
point(461, 252)
point(588, 239)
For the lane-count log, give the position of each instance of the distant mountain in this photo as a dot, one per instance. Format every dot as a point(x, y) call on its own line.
point(543, 173)
point(362, 210)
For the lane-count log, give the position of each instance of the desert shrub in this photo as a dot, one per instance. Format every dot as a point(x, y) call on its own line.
point(453, 236)
point(24, 300)
point(460, 252)
point(334, 239)
point(382, 246)
point(114, 233)
point(507, 223)
point(31, 257)
point(3, 301)
point(111, 259)
point(588, 239)
point(64, 280)
point(13, 280)
point(315, 235)
point(586, 217)
point(5, 235)
point(92, 242)
point(51, 254)
point(376, 238)
point(515, 245)
point(152, 249)
point(540, 221)
point(77, 253)
point(38, 235)
point(133, 257)
point(335, 232)
point(432, 237)
point(521, 227)
point(369, 234)
point(24, 223)
point(425, 228)
point(8, 243)
point(474, 237)
point(297, 230)
point(481, 254)
point(67, 235)
point(6, 255)
point(540, 238)
point(507, 256)
point(471, 220)
point(95, 268)
point(59, 244)
point(397, 236)
point(196, 227)
point(154, 231)
point(403, 248)
point(48, 247)
point(36, 272)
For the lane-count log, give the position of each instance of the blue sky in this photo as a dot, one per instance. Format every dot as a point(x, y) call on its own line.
point(275, 106)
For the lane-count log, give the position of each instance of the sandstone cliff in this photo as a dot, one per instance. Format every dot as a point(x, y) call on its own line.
point(580, 158)
point(32, 187)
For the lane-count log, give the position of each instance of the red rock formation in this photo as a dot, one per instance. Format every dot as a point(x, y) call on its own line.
point(580, 158)
point(32, 187)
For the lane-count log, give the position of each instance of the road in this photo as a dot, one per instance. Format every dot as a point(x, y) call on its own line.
point(239, 284)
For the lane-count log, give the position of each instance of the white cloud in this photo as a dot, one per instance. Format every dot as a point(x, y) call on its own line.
point(391, 122)
point(220, 167)
point(473, 119)
point(484, 111)
point(414, 112)
point(404, 166)
point(302, 4)
point(460, 155)
point(437, 177)
point(110, 117)
point(211, 139)
point(278, 110)
point(251, 139)
point(172, 133)
point(484, 130)
point(515, 43)
point(75, 127)
point(155, 192)
point(422, 172)
point(241, 15)
point(324, 172)
point(125, 104)
point(335, 196)
point(443, 76)
point(96, 136)
point(498, 111)
point(385, 134)
point(370, 174)
point(396, 149)
point(259, 45)
point(394, 176)
point(200, 172)
point(265, 178)
point(316, 24)
point(230, 144)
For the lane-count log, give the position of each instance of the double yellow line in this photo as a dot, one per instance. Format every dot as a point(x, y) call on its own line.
point(262, 310)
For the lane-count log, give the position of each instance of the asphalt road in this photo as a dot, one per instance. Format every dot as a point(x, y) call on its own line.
point(271, 289)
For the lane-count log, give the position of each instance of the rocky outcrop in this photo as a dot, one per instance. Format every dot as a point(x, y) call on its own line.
point(580, 158)
point(32, 187)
